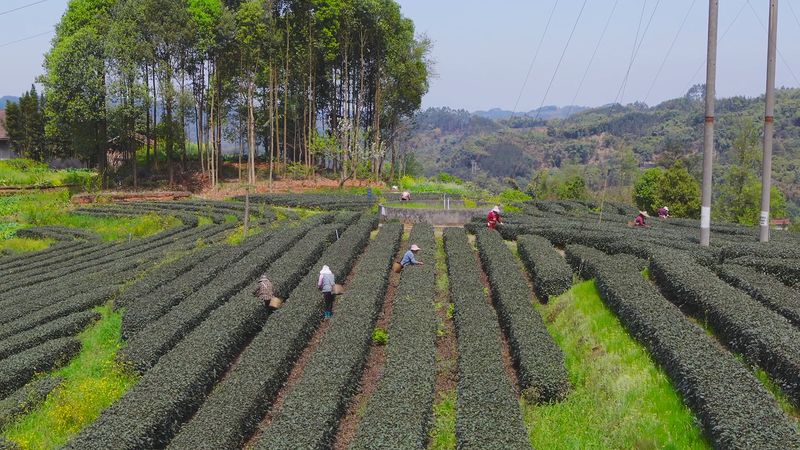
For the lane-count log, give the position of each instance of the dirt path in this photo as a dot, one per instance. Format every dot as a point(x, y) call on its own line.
point(508, 362)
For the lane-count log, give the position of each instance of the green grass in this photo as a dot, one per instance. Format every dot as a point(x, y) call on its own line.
point(620, 399)
point(22, 172)
point(22, 245)
point(92, 382)
point(443, 432)
point(53, 207)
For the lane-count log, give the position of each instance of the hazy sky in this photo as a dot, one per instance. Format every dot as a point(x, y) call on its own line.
point(482, 50)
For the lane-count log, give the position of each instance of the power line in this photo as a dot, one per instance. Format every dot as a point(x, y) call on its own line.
point(21, 7)
point(633, 50)
point(639, 47)
point(535, 55)
point(6, 44)
point(663, 61)
point(563, 52)
point(783, 60)
point(724, 33)
point(793, 14)
point(594, 53)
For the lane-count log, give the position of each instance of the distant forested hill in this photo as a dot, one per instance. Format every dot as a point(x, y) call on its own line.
point(606, 141)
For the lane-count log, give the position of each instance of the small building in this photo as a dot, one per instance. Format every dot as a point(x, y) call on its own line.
point(5, 142)
point(780, 224)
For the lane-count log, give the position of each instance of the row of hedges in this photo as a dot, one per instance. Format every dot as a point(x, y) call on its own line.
point(100, 257)
point(398, 414)
point(734, 408)
point(157, 338)
point(65, 326)
point(149, 308)
point(58, 233)
point(232, 411)
point(163, 276)
point(539, 361)
point(23, 260)
point(785, 269)
point(18, 369)
point(167, 395)
point(117, 268)
point(312, 409)
point(764, 288)
point(551, 275)
point(325, 202)
point(488, 415)
point(148, 415)
point(74, 304)
point(763, 336)
point(26, 398)
point(187, 216)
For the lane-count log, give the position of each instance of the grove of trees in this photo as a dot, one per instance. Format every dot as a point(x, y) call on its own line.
point(309, 82)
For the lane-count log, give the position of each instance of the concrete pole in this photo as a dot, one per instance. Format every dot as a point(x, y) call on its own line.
point(766, 176)
point(708, 143)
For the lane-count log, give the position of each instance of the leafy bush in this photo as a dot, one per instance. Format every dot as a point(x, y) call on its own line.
point(487, 414)
point(540, 362)
point(26, 399)
point(764, 288)
point(550, 273)
point(398, 414)
point(318, 399)
point(763, 336)
point(730, 402)
point(235, 407)
point(380, 336)
point(21, 368)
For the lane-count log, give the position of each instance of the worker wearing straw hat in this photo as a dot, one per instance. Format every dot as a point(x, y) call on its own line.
point(410, 257)
point(493, 218)
point(640, 219)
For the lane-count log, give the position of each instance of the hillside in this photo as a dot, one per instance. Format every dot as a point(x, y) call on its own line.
point(602, 139)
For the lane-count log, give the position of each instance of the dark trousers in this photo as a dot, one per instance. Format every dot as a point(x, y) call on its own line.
point(328, 301)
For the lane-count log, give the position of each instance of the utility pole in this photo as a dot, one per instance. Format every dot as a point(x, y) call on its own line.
point(766, 176)
point(708, 143)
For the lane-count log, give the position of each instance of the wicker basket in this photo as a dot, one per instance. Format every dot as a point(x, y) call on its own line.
point(396, 267)
point(338, 289)
point(275, 303)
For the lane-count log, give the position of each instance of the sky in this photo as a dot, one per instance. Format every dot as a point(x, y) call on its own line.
point(482, 51)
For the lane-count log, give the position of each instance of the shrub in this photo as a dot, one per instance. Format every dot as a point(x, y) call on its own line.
point(317, 401)
point(763, 336)
point(18, 369)
point(233, 410)
point(487, 413)
point(398, 414)
point(732, 405)
point(380, 336)
point(764, 288)
point(550, 273)
point(540, 362)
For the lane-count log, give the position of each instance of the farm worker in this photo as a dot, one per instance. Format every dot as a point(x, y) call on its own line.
point(639, 221)
point(410, 257)
point(405, 196)
point(493, 218)
point(325, 284)
point(264, 290)
point(663, 212)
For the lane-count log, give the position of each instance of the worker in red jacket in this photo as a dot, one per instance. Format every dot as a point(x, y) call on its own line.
point(640, 219)
point(493, 218)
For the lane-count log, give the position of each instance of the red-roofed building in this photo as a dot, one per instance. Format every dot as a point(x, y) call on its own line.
point(780, 224)
point(5, 149)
